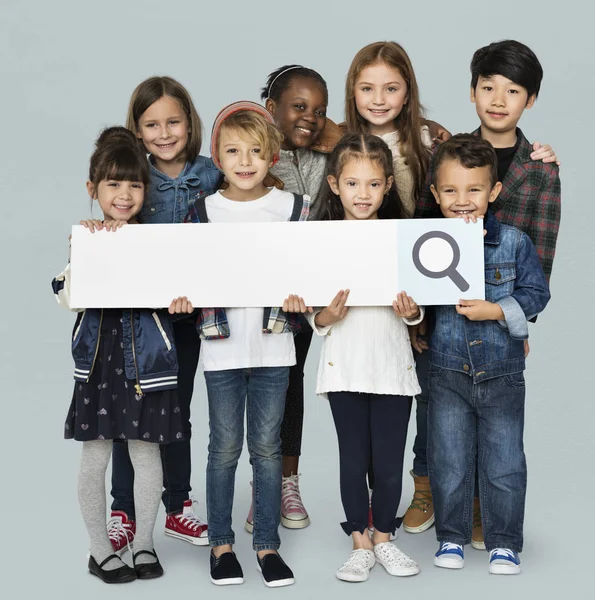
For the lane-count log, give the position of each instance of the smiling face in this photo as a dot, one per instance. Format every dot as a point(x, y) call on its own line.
point(164, 130)
point(499, 103)
point(242, 164)
point(361, 187)
point(300, 112)
point(118, 200)
point(464, 192)
point(380, 93)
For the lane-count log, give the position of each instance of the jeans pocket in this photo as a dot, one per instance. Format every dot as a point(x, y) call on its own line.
point(515, 380)
point(436, 371)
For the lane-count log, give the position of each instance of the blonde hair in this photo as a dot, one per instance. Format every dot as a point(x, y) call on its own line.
point(154, 88)
point(408, 123)
point(251, 124)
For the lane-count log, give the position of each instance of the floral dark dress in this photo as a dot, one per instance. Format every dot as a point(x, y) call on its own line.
point(108, 407)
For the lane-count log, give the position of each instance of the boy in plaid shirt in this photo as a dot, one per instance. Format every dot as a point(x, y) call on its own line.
point(505, 81)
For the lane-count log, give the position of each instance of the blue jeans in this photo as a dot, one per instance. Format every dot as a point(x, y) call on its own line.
point(486, 420)
point(262, 391)
point(420, 445)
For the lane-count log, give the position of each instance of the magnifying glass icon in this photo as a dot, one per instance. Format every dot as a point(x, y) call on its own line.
point(436, 255)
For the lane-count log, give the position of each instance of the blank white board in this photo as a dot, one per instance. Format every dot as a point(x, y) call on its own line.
point(260, 264)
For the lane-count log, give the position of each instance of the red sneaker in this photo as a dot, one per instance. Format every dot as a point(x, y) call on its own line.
point(187, 526)
point(121, 530)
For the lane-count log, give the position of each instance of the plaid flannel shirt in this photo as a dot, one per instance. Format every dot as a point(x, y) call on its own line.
point(529, 200)
point(212, 323)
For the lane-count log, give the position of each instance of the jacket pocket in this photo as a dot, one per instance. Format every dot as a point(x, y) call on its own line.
point(499, 281)
point(161, 330)
point(151, 211)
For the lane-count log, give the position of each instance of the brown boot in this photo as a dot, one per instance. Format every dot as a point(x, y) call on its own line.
point(477, 533)
point(420, 514)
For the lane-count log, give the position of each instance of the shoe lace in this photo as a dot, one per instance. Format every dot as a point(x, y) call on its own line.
point(422, 500)
point(450, 546)
point(357, 559)
point(190, 520)
point(291, 493)
point(477, 516)
point(116, 530)
point(503, 552)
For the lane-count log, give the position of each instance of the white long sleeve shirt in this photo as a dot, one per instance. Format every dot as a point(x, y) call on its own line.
point(369, 352)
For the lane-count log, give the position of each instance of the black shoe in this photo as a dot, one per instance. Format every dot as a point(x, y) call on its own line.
point(147, 570)
point(275, 573)
point(225, 569)
point(122, 574)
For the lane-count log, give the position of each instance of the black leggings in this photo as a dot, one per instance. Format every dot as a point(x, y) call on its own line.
point(370, 427)
point(293, 420)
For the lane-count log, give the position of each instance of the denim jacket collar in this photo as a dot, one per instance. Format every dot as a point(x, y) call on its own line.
point(188, 176)
point(492, 226)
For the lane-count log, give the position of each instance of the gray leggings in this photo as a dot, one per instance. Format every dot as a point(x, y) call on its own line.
point(148, 482)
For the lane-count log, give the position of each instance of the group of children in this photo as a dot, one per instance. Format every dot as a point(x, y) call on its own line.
point(286, 161)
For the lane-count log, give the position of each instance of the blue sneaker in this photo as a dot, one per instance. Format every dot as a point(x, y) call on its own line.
point(450, 556)
point(504, 562)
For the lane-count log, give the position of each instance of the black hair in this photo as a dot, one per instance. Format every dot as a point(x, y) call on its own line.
point(118, 156)
point(359, 146)
point(278, 81)
point(471, 151)
point(512, 60)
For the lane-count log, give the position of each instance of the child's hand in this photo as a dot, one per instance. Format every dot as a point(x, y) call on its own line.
point(113, 225)
point(480, 310)
point(180, 305)
point(472, 219)
point(405, 307)
point(336, 311)
point(527, 349)
point(417, 335)
point(437, 133)
point(469, 218)
point(544, 153)
point(92, 225)
point(295, 304)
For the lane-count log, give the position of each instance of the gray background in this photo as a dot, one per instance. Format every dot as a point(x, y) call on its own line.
point(68, 69)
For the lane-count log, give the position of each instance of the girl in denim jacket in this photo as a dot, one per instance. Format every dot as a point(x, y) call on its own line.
point(163, 118)
point(125, 373)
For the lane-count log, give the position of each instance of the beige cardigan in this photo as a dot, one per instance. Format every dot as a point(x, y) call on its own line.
point(402, 172)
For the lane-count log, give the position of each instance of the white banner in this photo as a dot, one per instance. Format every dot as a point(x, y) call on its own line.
point(437, 261)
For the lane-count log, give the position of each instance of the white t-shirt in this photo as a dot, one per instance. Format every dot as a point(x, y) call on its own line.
point(247, 346)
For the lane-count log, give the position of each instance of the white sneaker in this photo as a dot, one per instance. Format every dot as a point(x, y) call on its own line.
point(394, 561)
point(293, 513)
point(450, 556)
point(504, 562)
point(357, 567)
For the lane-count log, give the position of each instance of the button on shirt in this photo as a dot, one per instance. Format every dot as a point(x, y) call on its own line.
point(369, 352)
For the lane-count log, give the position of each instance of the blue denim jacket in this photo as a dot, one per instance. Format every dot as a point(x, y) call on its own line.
point(515, 280)
point(168, 200)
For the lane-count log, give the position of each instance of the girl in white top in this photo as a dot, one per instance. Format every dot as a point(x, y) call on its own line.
point(367, 369)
